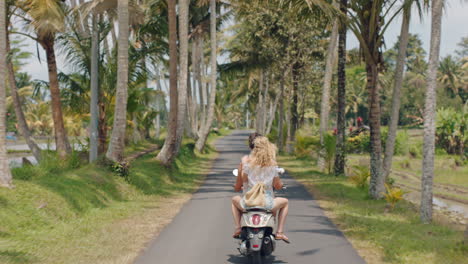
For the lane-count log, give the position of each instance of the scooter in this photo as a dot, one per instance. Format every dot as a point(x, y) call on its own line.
point(257, 239)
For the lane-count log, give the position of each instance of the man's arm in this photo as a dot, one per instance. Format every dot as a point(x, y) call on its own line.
point(239, 181)
point(277, 183)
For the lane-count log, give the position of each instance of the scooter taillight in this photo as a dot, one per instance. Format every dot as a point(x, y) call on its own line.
point(256, 219)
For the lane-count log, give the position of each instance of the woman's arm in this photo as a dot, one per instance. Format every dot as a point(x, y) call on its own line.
point(239, 181)
point(277, 183)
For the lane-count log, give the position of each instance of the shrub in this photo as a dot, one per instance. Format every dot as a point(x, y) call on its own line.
point(393, 195)
point(359, 143)
point(360, 176)
point(451, 126)
point(390, 181)
point(415, 150)
point(401, 143)
point(329, 149)
point(122, 169)
point(305, 145)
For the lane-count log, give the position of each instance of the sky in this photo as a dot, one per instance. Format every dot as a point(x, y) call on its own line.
point(454, 27)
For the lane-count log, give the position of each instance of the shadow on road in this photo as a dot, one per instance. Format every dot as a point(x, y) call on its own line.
point(238, 259)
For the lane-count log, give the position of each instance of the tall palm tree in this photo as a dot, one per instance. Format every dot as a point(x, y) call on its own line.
point(429, 114)
point(398, 82)
point(200, 145)
point(368, 25)
point(94, 107)
point(183, 71)
point(22, 124)
point(117, 142)
point(327, 78)
point(47, 17)
point(5, 174)
point(339, 168)
point(166, 155)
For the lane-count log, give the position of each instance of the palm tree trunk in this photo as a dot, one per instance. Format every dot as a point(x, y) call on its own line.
point(94, 108)
point(259, 111)
point(102, 126)
point(264, 105)
point(5, 173)
point(392, 129)
point(183, 70)
point(191, 106)
point(327, 78)
point(22, 124)
point(273, 113)
point(115, 151)
point(200, 145)
point(429, 114)
point(294, 114)
point(197, 68)
point(203, 85)
point(61, 139)
point(376, 187)
point(340, 153)
point(281, 114)
point(166, 155)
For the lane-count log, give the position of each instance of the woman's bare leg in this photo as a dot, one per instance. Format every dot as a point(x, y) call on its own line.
point(281, 206)
point(236, 212)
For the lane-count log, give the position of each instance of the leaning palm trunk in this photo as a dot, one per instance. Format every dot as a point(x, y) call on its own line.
point(61, 139)
point(264, 105)
point(5, 174)
point(22, 124)
point(281, 114)
point(325, 104)
point(272, 114)
point(117, 142)
point(392, 129)
point(94, 107)
point(259, 109)
point(183, 71)
point(200, 145)
point(429, 114)
point(166, 155)
point(339, 167)
point(294, 121)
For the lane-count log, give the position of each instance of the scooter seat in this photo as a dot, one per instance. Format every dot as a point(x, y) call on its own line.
point(257, 209)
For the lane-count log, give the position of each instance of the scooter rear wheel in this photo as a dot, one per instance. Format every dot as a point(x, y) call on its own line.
point(256, 258)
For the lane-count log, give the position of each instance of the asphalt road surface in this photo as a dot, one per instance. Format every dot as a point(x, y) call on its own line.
point(201, 232)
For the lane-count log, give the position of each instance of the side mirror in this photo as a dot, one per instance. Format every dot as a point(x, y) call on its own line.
point(235, 172)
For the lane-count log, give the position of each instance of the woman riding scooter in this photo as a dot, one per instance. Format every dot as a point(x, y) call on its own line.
point(260, 167)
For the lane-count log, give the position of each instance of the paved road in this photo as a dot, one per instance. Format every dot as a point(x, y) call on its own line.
point(201, 232)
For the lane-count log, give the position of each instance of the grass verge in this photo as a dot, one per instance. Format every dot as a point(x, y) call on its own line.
point(65, 213)
point(379, 236)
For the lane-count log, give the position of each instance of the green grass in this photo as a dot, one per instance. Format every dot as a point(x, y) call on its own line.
point(382, 237)
point(58, 210)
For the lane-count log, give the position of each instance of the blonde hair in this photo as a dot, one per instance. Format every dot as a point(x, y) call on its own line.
point(263, 153)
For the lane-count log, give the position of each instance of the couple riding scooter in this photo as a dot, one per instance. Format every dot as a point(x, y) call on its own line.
point(258, 177)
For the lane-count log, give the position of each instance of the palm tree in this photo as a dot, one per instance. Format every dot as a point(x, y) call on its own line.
point(429, 114)
point(183, 71)
point(22, 124)
point(167, 153)
point(339, 168)
point(200, 145)
point(398, 82)
point(47, 18)
point(5, 174)
point(327, 78)
point(94, 108)
point(117, 142)
point(368, 25)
